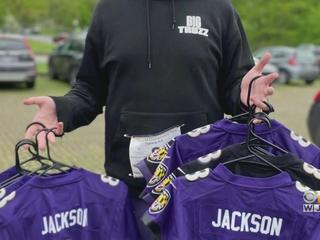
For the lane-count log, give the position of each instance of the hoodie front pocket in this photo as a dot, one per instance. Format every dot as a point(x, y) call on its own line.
point(141, 123)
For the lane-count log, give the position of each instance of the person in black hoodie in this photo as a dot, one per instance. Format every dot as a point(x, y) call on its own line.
point(155, 64)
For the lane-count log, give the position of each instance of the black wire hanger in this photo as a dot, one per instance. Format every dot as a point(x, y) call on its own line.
point(255, 152)
point(254, 142)
point(246, 116)
point(56, 165)
point(46, 162)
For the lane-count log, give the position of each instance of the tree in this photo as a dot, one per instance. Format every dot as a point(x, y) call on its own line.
point(27, 12)
point(62, 12)
point(274, 22)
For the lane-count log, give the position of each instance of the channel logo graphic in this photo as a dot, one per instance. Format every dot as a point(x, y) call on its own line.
point(311, 201)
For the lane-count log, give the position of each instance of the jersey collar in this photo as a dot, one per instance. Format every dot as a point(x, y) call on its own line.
point(281, 179)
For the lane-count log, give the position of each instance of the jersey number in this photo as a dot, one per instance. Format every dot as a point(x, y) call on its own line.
point(110, 180)
point(198, 175)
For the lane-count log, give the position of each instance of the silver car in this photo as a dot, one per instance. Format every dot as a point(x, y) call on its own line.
point(17, 63)
point(293, 63)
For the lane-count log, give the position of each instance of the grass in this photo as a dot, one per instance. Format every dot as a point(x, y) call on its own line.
point(50, 87)
point(84, 147)
point(42, 68)
point(47, 86)
point(41, 48)
point(43, 86)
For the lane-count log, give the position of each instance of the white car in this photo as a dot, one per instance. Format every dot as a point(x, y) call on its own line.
point(17, 63)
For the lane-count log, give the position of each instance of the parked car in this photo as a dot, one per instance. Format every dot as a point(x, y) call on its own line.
point(316, 52)
point(313, 120)
point(17, 63)
point(65, 60)
point(293, 63)
point(314, 49)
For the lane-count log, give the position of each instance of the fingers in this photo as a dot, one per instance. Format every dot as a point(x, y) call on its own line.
point(263, 62)
point(34, 101)
point(269, 91)
point(262, 87)
point(270, 78)
point(51, 137)
point(256, 121)
point(260, 105)
point(59, 130)
point(31, 131)
point(42, 139)
point(261, 90)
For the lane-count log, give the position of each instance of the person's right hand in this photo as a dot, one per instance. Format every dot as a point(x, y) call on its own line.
point(47, 115)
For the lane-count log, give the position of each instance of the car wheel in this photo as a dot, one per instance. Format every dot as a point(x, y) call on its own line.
point(30, 84)
point(73, 76)
point(314, 123)
point(52, 74)
point(309, 81)
point(284, 77)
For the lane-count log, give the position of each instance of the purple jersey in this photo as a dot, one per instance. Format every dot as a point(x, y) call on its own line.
point(76, 205)
point(249, 165)
point(217, 204)
point(7, 174)
point(19, 182)
point(205, 140)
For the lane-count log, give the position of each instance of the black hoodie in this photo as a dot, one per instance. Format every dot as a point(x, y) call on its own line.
point(155, 64)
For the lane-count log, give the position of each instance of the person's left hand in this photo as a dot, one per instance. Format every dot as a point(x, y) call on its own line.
point(261, 88)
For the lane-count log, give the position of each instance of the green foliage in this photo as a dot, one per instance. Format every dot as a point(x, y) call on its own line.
point(65, 14)
point(271, 22)
point(285, 22)
point(2, 12)
point(27, 12)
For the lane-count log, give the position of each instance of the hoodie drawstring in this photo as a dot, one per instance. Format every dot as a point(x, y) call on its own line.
point(149, 35)
point(174, 22)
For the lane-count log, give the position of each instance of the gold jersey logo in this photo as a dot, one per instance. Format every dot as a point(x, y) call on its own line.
point(160, 203)
point(158, 175)
point(157, 155)
point(158, 189)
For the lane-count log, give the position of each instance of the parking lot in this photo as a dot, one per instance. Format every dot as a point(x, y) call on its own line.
point(84, 147)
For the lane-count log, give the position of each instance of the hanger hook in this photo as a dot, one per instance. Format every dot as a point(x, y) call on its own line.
point(19, 145)
point(251, 125)
point(35, 123)
point(253, 107)
point(270, 107)
point(50, 130)
point(250, 89)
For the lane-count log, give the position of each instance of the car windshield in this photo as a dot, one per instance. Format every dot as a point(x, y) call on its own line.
point(10, 44)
